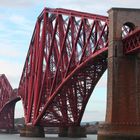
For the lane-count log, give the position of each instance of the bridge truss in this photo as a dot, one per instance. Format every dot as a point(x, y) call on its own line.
point(8, 99)
point(66, 58)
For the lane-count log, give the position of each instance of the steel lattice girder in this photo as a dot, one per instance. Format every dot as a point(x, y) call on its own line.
point(5, 90)
point(131, 43)
point(8, 98)
point(7, 114)
point(66, 58)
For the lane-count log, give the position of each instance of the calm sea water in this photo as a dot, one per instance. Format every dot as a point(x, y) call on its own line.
point(48, 137)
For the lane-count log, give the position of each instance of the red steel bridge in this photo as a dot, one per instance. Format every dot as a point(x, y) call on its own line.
point(67, 56)
point(8, 98)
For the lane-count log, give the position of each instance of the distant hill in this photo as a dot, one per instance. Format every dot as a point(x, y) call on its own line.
point(90, 123)
point(22, 121)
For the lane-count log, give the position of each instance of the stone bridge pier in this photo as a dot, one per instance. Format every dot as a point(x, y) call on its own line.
point(123, 91)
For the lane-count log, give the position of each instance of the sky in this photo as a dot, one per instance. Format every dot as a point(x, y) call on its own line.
point(17, 21)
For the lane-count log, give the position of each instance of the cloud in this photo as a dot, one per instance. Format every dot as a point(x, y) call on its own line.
point(98, 7)
point(80, 5)
point(8, 50)
point(2, 16)
point(17, 3)
point(20, 22)
point(12, 70)
point(17, 19)
point(94, 115)
point(15, 35)
point(15, 27)
point(24, 26)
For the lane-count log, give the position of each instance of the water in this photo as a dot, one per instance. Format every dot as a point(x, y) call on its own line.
point(48, 137)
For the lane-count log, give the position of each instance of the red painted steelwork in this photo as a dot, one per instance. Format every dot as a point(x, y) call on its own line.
point(66, 58)
point(8, 98)
point(131, 43)
point(7, 114)
point(5, 90)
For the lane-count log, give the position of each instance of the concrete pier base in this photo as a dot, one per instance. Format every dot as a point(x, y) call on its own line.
point(119, 132)
point(115, 137)
point(63, 132)
point(32, 131)
point(72, 132)
point(76, 132)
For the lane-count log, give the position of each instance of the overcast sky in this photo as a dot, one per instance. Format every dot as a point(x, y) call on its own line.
point(17, 20)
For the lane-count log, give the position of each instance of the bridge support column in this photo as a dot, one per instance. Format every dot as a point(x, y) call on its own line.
point(123, 93)
point(72, 132)
point(76, 132)
point(32, 131)
point(63, 132)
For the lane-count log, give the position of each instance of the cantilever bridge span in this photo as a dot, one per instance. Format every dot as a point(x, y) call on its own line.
point(67, 56)
point(8, 98)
